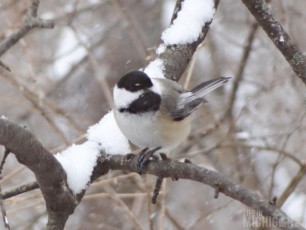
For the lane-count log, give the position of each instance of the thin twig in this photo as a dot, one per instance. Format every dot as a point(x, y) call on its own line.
point(158, 184)
point(32, 98)
point(96, 67)
point(239, 75)
point(163, 205)
point(19, 190)
point(3, 211)
point(118, 200)
point(132, 30)
point(267, 148)
point(31, 22)
point(291, 186)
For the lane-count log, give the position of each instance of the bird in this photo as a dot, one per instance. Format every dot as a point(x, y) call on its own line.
point(155, 113)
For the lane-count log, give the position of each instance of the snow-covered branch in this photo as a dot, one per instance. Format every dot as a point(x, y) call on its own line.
point(29, 151)
point(189, 26)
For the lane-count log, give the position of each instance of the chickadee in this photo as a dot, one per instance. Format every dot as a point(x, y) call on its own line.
point(154, 112)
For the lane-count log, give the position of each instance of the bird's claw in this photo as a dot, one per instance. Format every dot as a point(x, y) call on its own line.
point(144, 157)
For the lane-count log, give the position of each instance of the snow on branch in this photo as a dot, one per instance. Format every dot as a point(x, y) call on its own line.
point(49, 173)
point(189, 26)
point(79, 161)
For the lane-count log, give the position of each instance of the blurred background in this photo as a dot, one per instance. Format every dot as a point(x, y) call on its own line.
point(252, 131)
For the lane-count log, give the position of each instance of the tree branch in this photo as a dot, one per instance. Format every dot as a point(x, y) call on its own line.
point(281, 39)
point(177, 57)
point(31, 22)
point(189, 171)
point(19, 190)
point(239, 74)
point(29, 151)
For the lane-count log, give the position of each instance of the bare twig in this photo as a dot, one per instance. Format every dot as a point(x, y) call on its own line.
point(3, 211)
point(281, 39)
point(291, 186)
point(163, 205)
point(173, 220)
point(118, 200)
point(96, 67)
point(159, 181)
point(5, 155)
point(132, 30)
point(31, 22)
point(239, 75)
point(32, 98)
point(267, 148)
point(19, 190)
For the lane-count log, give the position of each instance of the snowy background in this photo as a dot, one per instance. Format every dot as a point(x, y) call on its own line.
point(71, 70)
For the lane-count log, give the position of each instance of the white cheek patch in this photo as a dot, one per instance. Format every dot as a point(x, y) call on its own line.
point(123, 97)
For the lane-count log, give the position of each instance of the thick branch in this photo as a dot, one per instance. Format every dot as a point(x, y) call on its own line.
point(175, 169)
point(29, 151)
point(281, 39)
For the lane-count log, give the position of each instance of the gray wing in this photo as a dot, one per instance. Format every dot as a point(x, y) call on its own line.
point(185, 108)
point(179, 103)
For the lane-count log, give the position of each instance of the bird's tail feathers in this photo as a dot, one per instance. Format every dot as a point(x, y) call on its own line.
point(206, 87)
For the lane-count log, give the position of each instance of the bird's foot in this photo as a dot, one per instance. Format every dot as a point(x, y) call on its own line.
point(144, 158)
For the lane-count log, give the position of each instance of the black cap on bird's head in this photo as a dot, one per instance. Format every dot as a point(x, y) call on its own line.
point(135, 81)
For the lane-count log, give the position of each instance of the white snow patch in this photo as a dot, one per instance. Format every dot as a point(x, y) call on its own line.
point(161, 49)
point(3, 117)
point(155, 69)
point(187, 27)
point(281, 38)
point(109, 136)
point(78, 161)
